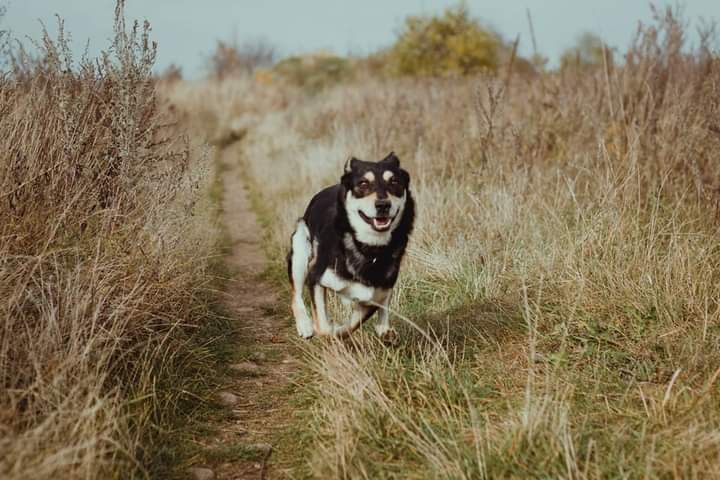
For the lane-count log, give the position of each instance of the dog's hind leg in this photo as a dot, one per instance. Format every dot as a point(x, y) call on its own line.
point(298, 265)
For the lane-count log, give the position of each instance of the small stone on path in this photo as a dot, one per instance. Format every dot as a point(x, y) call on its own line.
point(228, 399)
point(261, 447)
point(202, 473)
point(258, 356)
point(247, 367)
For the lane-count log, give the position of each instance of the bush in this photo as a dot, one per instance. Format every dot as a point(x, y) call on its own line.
point(314, 72)
point(172, 74)
point(453, 44)
point(589, 51)
point(237, 59)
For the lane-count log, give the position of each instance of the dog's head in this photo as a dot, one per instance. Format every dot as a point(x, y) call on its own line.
point(375, 197)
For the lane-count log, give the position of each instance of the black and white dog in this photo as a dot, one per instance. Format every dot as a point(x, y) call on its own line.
point(351, 240)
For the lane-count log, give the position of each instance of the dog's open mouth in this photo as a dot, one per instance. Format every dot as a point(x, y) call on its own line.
point(379, 224)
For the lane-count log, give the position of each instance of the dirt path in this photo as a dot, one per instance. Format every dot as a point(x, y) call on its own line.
point(260, 385)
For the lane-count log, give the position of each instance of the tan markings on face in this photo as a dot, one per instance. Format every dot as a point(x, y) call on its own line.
point(387, 175)
point(369, 176)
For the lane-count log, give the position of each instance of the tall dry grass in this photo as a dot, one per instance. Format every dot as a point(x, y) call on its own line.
point(564, 268)
point(104, 247)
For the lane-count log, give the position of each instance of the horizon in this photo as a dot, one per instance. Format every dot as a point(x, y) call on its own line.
point(187, 33)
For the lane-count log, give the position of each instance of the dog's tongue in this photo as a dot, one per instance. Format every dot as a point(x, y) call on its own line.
point(381, 222)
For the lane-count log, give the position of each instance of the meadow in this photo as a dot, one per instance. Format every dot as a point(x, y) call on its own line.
point(107, 237)
point(558, 307)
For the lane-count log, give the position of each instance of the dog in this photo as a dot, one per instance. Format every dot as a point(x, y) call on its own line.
point(351, 240)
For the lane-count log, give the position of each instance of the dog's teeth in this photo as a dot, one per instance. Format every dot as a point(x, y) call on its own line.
point(381, 223)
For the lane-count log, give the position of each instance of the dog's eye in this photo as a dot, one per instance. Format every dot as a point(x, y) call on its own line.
point(394, 181)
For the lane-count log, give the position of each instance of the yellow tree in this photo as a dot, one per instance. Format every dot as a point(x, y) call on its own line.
point(452, 44)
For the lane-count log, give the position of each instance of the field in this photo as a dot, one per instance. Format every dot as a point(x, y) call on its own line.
point(558, 306)
point(106, 271)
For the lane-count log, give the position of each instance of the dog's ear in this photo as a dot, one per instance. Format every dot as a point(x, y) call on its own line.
point(346, 180)
point(405, 176)
point(350, 164)
point(391, 160)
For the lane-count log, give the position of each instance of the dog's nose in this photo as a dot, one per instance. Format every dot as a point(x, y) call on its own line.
point(382, 205)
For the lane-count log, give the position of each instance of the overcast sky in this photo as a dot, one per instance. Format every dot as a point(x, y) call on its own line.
point(187, 30)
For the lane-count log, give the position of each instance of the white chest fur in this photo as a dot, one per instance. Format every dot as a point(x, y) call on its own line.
point(352, 290)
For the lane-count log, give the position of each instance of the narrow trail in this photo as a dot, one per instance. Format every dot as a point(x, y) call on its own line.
point(260, 386)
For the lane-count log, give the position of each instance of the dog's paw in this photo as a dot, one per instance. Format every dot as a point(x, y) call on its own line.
point(389, 337)
point(305, 329)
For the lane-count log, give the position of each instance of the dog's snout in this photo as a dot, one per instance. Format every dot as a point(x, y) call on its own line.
point(382, 205)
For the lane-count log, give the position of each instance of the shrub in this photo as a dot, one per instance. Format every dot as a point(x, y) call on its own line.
point(314, 72)
point(172, 74)
point(236, 59)
point(589, 51)
point(452, 44)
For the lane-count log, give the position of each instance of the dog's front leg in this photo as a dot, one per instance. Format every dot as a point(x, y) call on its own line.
point(360, 313)
point(386, 333)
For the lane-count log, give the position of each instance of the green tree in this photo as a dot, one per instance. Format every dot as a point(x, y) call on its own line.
point(314, 72)
point(588, 51)
point(452, 44)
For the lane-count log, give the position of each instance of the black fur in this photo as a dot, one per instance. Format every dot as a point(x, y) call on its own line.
point(327, 220)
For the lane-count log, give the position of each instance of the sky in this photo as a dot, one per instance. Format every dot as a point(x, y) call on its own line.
point(187, 30)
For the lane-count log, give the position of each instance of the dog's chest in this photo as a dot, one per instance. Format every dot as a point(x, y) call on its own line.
point(374, 269)
point(350, 289)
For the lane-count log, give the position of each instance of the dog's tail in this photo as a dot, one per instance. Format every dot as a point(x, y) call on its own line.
point(288, 259)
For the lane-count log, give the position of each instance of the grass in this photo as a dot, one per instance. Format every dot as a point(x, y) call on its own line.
point(563, 269)
point(557, 308)
point(107, 240)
